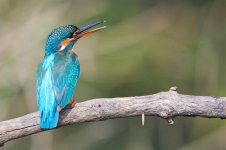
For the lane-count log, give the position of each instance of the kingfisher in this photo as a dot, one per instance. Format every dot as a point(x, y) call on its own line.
point(58, 72)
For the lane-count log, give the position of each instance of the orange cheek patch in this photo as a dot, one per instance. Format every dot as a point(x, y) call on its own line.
point(65, 42)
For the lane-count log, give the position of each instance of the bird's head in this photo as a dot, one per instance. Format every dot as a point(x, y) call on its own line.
point(63, 38)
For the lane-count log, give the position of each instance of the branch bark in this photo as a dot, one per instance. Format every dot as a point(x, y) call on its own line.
point(166, 105)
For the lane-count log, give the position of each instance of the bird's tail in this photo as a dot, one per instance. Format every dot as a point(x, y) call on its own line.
point(47, 103)
point(48, 119)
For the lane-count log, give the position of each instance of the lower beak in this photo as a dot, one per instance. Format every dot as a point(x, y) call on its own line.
point(83, 31)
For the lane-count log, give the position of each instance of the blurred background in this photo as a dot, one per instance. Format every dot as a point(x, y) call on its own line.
point(149, 46)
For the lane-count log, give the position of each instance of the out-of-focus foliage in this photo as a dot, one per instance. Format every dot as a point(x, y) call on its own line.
point(149, 46)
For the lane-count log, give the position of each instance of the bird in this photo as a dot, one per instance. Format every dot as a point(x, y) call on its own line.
point(58, 72)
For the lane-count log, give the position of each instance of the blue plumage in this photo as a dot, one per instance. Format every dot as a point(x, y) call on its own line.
point(58, 72)
point(47, 105)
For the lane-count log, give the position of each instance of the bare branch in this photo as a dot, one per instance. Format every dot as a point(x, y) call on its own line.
point(164, 104)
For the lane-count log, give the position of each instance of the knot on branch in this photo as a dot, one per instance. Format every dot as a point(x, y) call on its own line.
point(164, 114)
point(174, 88)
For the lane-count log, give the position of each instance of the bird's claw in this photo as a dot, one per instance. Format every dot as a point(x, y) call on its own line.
point(73, 102)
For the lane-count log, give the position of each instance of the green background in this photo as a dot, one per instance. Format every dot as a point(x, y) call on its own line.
point(147, 47)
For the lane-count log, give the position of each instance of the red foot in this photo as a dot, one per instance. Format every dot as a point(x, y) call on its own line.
point(73, 102)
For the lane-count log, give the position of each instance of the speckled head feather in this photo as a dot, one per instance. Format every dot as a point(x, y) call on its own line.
point(56, 36)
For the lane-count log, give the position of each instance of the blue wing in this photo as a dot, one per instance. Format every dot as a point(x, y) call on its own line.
point(47, 105)
point(65, 75)
point(57, 76)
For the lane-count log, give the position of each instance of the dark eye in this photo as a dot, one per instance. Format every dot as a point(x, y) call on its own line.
point(71, 35)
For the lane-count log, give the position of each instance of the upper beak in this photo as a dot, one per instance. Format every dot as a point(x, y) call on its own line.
point(83, 30)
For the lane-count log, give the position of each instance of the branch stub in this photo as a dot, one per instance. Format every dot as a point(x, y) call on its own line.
point(174, 88)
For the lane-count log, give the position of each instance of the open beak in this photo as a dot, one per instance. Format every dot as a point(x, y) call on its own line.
point(83, 30)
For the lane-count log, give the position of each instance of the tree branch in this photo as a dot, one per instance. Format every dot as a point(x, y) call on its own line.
point(164, 104)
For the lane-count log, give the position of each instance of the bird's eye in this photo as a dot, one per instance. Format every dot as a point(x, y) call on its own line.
point(71, 35)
